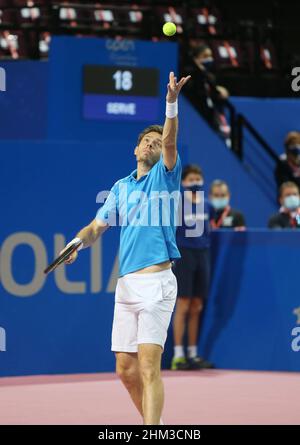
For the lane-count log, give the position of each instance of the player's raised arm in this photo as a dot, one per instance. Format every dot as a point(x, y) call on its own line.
point(169, 137)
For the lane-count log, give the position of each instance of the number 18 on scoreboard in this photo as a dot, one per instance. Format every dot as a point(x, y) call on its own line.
point(120, 93)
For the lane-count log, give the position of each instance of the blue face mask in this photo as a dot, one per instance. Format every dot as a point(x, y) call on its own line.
point(294, 149)
point(291, 202)
point(208, 63)
point(219, 203)
point(195, 187)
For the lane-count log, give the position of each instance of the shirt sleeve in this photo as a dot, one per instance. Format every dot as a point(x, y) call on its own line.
point(175, 173)
point(108, 213)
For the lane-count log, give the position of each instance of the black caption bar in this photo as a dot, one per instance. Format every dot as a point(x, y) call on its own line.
point(131, 434)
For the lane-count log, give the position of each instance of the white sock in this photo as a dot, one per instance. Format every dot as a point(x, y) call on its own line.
point(161, 421)
point(192, 351)
point(178, 351)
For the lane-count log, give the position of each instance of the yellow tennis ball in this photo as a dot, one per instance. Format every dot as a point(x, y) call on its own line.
point(169, 29)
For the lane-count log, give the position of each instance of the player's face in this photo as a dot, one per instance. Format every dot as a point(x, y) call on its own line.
point(149, 149)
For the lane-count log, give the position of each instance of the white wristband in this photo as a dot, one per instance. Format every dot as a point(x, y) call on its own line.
point(171, 109)
point(76, 240)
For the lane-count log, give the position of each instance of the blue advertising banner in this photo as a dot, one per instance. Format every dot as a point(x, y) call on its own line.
point(252, 319)
point(24, 103)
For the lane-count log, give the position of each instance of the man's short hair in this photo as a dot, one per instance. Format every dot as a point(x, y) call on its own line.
point(218, 183)
point(156, 128)
point(191, 168)
point(286, 185)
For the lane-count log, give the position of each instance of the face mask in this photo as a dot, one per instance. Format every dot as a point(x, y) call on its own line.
point(294, 150)
point(291, 202)
point(208, 63)
point(194, 187)
point(219, 203)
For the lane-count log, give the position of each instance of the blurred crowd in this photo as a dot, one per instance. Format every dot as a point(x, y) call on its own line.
point(211, 99)
point(193, 269)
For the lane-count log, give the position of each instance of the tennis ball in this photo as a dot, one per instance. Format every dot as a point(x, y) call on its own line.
point(169, 29)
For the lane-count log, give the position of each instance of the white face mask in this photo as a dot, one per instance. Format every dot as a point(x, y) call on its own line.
point(219, 203)
point(291, 202)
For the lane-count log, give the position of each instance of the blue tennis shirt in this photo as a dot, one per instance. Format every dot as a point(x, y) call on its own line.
point(146, 209)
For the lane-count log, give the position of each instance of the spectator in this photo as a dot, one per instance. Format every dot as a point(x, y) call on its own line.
point(224, 216)
point(288, 168)
point(204, 92)
point(192, 271)
point(288, 216)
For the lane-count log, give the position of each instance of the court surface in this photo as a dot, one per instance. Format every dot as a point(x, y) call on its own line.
point(204, 397)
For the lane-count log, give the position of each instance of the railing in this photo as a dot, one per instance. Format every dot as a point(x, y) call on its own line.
point(256, 155)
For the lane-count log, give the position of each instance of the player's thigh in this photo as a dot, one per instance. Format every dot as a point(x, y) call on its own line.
point(124, 329)
point(149, 357)
point(126, 363)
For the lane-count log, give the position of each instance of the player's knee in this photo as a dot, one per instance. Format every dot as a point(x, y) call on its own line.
point(149, 371)
point(128, 374)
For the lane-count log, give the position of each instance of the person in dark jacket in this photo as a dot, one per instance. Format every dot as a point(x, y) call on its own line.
point(288, 168)
point(288, 216)
point(203, 91)
point(225, 217)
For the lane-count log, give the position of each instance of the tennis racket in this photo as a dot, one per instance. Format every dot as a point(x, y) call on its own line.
point(62, 257)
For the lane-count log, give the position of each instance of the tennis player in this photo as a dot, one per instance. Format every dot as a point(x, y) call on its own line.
point(146, 289)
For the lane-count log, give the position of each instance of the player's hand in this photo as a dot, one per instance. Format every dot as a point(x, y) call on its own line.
point(174, 87)
point(71, 258)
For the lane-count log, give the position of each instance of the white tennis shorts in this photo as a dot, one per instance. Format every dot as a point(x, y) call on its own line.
point(144, 303)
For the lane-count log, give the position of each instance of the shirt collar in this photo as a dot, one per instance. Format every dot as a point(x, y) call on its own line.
point(133, 176)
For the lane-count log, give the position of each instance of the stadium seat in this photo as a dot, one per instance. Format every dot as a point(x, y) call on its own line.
point(268, 57)
point(7, 17)
point(206, 21)
point(12, 45)
point(101, 16)
point(171, 14)
point(44, 44)
point(227, 54)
